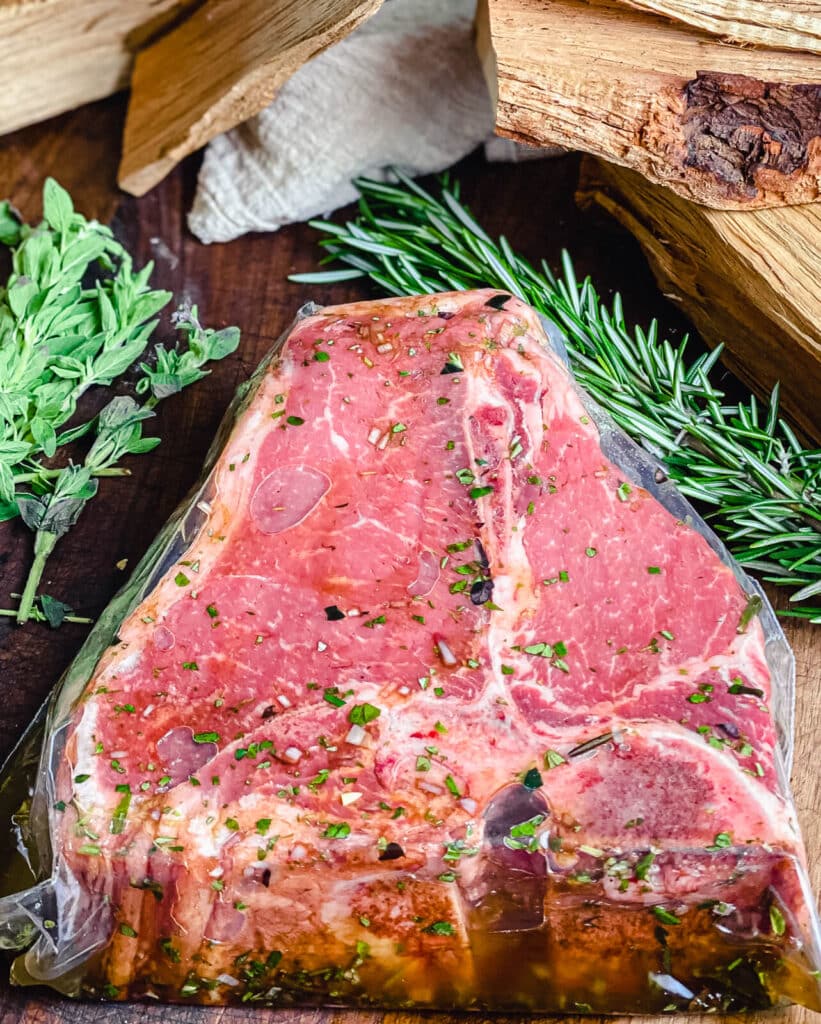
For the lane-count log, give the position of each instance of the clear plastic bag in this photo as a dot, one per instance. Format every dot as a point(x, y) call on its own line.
point(496, 903)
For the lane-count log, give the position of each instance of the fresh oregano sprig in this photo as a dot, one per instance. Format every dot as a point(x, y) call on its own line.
point(74, 315)
point(740, 461)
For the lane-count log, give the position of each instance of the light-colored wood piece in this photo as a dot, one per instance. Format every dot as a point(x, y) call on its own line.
point(59, 54)
point(785, 24)
point(727, 126)
point(218, 68)
point(750, 280)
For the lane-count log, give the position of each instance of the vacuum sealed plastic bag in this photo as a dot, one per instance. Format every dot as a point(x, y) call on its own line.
point(434, 694)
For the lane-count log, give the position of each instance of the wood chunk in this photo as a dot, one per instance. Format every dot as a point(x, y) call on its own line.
point(785, 25)
point(730, 127)
point(218, 68)
point(59, 54)
point(749, 279)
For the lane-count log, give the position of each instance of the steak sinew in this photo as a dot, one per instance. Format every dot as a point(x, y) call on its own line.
point(439, 708)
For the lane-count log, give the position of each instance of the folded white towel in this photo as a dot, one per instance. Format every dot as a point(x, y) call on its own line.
point(405, 89)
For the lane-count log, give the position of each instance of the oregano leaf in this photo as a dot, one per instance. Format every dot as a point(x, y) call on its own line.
point(58, 208)
point(54, 611)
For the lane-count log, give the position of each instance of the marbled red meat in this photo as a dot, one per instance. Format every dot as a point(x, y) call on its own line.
point(438, 708)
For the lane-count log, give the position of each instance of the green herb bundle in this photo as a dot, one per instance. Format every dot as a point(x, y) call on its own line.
point(755, 481)
point(75, 315)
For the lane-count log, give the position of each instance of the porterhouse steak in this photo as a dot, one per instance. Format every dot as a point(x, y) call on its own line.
point(438, 707)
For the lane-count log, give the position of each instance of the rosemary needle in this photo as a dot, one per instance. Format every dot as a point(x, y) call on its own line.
point(740, 461)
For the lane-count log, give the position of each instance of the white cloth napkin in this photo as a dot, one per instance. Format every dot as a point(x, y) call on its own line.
point(405, 89)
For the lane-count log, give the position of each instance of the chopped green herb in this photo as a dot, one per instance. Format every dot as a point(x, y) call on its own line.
point(480, 492)
point(643, 865)
point(753, 607)
point(170, 951)
point(191, 666)
point(552, 759)
point(721, 841)
point(118, 819)
point(181, 579)
point(653, 570)
point(532, 779)
point(456, 850)
point(777, 922)
point(665, 916)
point(321, 778)
point(206, 737)
point(294, 421)
point(337, 830)
point(331, 695)
point(362, 714)
point(439, 928)
point(523, 836)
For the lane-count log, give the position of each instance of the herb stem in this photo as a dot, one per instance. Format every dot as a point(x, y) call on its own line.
point(44, 544)
point(41, 474)
point(38, 616)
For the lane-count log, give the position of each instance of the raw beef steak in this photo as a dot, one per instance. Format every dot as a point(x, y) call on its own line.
point(438, 708)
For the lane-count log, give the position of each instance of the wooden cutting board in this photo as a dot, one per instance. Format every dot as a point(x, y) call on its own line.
point(245, 282)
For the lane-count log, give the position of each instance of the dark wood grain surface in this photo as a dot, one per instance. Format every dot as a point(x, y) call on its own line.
point(245, 283)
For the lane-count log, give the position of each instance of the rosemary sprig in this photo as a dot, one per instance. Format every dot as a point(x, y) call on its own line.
point(60, 335)
point(739, 460)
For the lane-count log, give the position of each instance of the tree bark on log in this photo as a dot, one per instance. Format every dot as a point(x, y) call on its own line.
point(726, 126)
point(749, 280)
